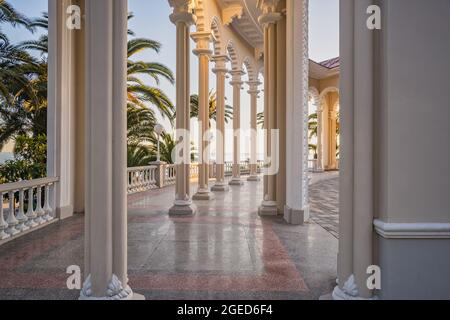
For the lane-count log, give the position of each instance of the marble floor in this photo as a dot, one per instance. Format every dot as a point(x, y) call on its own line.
point(226, 251)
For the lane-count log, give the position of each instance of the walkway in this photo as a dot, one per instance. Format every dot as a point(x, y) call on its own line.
point(226, 251)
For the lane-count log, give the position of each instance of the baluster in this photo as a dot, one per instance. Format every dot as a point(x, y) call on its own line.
point(39, 211)
point(21, 217)
point(31, 215)
point(47, 208)
point(3, 224)
point(12, 221)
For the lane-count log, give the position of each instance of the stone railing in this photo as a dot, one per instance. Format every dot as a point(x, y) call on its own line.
point(312, 165)
point(28, 207)
point(170, 176)
point(141, 179)
point(160, 175)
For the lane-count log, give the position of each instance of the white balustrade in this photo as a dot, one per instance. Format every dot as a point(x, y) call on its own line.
point(170, 176)
point(194, 170)
point(312, 165)
point(141, 179)
point(17, 222)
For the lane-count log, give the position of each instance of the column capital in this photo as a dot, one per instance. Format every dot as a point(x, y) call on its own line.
point(221, 61)
point(203, 40)
point(253, 87)
point(182, 12)
point(269, 10)
point(237, 77)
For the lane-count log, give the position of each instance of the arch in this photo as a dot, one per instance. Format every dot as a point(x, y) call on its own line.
point(217, 35)
point(233, 55)
point(252, 76)
point(314, 95)
point(326, 91)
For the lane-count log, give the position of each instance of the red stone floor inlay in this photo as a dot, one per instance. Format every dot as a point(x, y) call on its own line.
point(279, 272)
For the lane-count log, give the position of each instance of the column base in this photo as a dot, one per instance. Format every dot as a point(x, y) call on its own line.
point(115, 291)
point(268, 208)
point(254, 178)
point(236, 182)
point(220, 187)
point(183, 208)
point(295, 216)
point(349, 291)
point(203, 195)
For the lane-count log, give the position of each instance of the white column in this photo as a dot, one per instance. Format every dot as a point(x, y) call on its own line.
point(320, 137)
point(106, 212)
point(268, 19)
point(62, 68)
point(297, 207)
point(253, 92)
point(220, 70)
point(237, 83)
point(356, 179)
point(183, 19)
point(203, 52)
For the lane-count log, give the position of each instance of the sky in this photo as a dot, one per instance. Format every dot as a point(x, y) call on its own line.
point(152, 21)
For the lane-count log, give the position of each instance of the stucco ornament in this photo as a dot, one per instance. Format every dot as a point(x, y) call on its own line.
point(114, 291)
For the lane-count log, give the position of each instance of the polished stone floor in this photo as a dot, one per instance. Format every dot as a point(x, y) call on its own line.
point(226, 251)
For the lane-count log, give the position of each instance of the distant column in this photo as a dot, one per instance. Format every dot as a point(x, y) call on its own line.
point(220, 70)
point(237, 83)
point(254, 92)
point(203, 53)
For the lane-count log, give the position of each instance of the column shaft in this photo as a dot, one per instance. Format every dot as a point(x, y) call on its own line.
point(254, 131)
point(269, 205)
point(319, 138)
point(281, 112)
point(105, 226)
point(237, 87)
point(182, 204)
point(220, 71)
point(203, 53)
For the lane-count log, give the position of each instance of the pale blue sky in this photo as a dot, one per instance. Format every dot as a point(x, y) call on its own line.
point(151, 21)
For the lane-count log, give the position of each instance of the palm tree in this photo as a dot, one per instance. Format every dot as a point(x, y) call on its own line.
point(27, 115)
point(212, 107)
point(138, 156)
point(167, 145)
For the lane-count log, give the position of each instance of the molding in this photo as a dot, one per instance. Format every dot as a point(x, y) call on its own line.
point(232, 12)
point(412, 230)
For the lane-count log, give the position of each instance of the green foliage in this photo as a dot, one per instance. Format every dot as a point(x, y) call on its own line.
point(30, 155)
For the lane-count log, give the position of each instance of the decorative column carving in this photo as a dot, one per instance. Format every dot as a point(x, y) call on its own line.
point(106, 209)
point(253, 92)
point(296, 210)
point(203, 40)
point(183, 18)
point(268, 19)
point(237, 83)
point(220, 70)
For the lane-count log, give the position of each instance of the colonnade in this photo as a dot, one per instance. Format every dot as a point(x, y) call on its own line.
point(183, 18)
